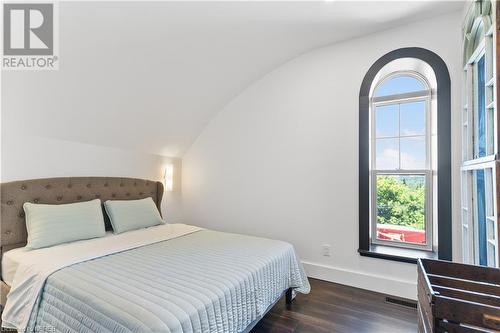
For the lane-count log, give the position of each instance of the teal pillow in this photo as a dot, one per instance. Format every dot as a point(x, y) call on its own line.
point(49, 225)
point(126, 215)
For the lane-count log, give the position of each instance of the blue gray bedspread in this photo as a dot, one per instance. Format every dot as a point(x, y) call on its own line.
point(206, 281)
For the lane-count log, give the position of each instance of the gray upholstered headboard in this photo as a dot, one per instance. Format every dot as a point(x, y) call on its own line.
point(61, 191)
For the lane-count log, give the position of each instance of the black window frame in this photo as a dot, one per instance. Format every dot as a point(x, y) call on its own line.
point(444, 204)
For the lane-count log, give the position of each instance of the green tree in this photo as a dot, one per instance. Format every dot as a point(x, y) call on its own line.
point(401, 201)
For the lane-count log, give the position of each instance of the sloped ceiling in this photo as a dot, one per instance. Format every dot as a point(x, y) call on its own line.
point(149, 76)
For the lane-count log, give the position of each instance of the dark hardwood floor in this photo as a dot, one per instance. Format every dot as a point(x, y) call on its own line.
point(334, 308)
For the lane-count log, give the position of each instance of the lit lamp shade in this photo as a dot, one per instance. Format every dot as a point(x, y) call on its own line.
point(169, 177)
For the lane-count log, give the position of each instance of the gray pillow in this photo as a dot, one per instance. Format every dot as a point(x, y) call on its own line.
point(126, 215)
point(49, 225)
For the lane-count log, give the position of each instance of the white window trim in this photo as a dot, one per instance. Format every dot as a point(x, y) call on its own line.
point(479, 16)
point(423, 95)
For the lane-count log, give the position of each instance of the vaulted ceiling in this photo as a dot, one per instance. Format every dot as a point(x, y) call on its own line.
point(149, 76)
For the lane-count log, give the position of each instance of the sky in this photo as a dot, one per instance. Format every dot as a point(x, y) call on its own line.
point(399, 85)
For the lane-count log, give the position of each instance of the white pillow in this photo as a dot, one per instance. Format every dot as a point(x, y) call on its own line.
point(49, 225)
point(126, 215)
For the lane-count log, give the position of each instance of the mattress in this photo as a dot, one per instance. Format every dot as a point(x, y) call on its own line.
point(205, 281)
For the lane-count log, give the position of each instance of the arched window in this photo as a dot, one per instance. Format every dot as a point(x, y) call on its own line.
point(404, 164)
point(479, 140)
point(401, 159)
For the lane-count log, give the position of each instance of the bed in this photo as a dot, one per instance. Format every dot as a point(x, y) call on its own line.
point(167, 278)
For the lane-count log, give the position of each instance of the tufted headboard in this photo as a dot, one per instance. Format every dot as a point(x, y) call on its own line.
point(61, 191)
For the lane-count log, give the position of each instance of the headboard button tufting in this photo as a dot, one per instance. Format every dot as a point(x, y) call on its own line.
point(10, 202)
point(121, 184)
point(128, 194)
point(8, 232)
point(70, 186)
point(79, 197)
point(36, 200)
point(21, 214)
point(48, 186)
point(105, 184)
point(89, 185)
point(23, 187)
point(97, 195)
point(59, 198)
point(113, 195)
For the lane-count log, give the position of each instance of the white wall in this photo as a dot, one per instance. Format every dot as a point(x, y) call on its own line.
point(162, 78)
point(27, 157)
point(281, 159)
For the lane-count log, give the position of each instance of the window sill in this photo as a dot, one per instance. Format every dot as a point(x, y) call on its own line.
point(397, 254)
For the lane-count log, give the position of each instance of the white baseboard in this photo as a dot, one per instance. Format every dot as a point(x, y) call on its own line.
point(381, 284)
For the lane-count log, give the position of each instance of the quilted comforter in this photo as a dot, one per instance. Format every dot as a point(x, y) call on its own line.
point(205, 281)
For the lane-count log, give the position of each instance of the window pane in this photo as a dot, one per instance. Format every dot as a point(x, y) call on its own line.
point(386, 121)
point(491, 255)
point(413, 153)
point(481, 217)
point(481, 111)
point(490, 136)
point(490, 229)
point(399, 85)
point(488, 194)
point(412, 118)
point(387, 157)
point(401, 208)
point(484, 217)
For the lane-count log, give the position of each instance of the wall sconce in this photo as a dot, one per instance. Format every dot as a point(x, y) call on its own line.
point(169, 177)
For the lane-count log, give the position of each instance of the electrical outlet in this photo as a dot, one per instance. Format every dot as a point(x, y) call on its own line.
point(327, 250)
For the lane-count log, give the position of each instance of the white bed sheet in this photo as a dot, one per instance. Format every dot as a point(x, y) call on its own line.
point(10, 262)
point(12, 258)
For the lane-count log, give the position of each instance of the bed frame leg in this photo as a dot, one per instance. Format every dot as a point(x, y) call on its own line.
point(289, 296)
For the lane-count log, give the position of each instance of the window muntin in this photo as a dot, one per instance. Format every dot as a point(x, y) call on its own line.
point(401, 185)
